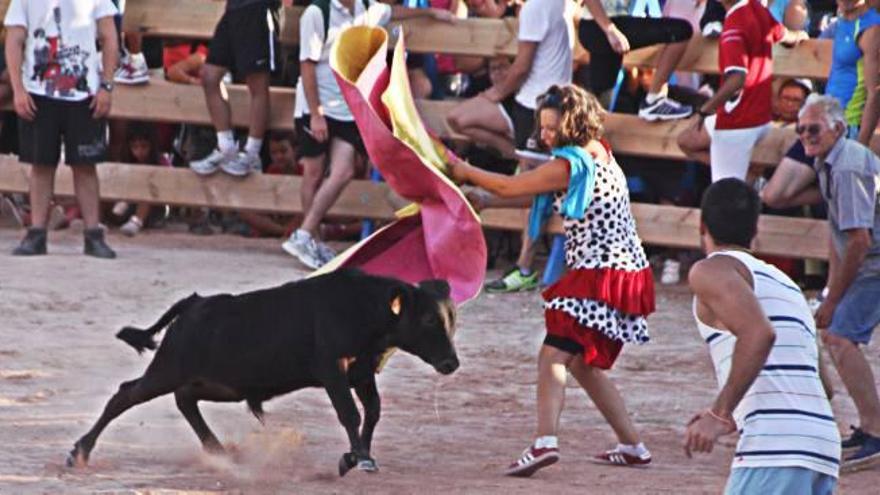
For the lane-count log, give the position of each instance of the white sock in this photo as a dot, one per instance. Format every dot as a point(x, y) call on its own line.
point(637, 450)
point(225, 141)
point(137, 58)
point(547, 442)
point(253, 145)
point(653, 97)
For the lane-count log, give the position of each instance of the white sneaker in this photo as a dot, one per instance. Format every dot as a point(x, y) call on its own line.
point(671, 272)
point(326, 253)
point(212, 162)
point(302, 245)
point(242, 164)
point(120, 208)
point(132, 70)
point(712, 30)
point(132, 226)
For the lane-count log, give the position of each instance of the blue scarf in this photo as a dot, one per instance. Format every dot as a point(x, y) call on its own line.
point(582, 180)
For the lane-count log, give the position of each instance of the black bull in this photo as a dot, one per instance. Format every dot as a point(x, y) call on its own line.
point(329, 331)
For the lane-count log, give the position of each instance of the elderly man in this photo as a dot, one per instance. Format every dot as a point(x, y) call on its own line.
point(847, 176)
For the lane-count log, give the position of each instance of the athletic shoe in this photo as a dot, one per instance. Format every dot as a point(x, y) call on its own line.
point(671, 272)
point(242, 164)
point(855, 440)
point(132, 226)
point(513, 281)
point(132, 70)
point(302, 245)
point(867, 456)
point(663, 109)
point(325, 253)
point(712, 30)
point(616, 457)
point(212, 162)
point(532, 459)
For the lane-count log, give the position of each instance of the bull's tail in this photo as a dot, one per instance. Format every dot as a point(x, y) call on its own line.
point(143, 339)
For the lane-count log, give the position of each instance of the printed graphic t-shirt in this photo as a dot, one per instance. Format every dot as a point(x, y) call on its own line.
point(60, 56)
point(746, 45)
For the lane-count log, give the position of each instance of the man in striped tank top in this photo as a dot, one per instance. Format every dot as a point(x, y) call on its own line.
point(763, 344)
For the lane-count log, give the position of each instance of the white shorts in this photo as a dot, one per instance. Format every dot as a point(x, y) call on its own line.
point(731, 150)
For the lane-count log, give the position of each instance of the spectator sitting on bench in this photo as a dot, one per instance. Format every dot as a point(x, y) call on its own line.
point(282, 156)
point(323, 122)
point(141, 148)
point(789, 99)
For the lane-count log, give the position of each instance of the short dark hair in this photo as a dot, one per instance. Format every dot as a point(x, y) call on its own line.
point(730, 210)
point(283, 136)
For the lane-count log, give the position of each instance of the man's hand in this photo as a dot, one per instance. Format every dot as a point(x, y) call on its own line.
point(442, 15)
point(794, 38)
point(618, 41)
point(24, 105)
point(100, 104)
point(318, 128)
point(825, 313)
point(492, 95)
point(703, 431)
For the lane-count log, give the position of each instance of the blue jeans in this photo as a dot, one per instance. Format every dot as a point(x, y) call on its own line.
point(779, 481)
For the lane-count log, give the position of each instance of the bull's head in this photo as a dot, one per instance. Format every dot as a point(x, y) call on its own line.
point(426, 323)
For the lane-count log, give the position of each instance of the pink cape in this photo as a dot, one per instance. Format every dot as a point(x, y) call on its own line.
point(442, 237)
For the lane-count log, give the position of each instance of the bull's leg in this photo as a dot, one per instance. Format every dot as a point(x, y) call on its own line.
point(188, 405)
point(129, 394)
point(332, 375)
point(369, 397)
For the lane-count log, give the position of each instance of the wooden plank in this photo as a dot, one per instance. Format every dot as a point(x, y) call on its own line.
point(196, 19)
point(659, 225)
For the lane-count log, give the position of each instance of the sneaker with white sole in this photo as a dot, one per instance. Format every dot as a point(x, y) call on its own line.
point(532, 459)
point(664, 108)
point(242, 164)
point(671, 274)
point(617, 457)
point(303, 246)
point(212, 162)
point(325, 253)
point(132, 226)
point(867, 455)
point(132, 70)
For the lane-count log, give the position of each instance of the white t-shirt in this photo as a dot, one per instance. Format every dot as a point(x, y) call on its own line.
point(60, 57)
point(316, 48)
point(550, 23)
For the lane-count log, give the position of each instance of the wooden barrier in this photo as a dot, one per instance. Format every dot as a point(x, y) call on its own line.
point(660, 225)
point(196, 19)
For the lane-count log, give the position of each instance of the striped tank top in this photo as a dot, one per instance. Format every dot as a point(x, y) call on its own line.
point(785, 418)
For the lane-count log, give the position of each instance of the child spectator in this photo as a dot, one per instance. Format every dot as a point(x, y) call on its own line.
point(726, 139)
point(282, 155)
point(140, 149)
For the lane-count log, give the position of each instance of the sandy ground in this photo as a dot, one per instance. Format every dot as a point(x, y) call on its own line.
point(59, 363)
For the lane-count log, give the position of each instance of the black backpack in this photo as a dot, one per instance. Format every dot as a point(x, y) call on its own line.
point(324, 6)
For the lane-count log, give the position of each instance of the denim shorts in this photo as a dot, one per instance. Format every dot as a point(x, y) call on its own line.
point(858, 312)
point(779, 481)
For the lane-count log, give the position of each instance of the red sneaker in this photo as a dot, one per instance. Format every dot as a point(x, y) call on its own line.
point(532, 460)
point(615, 457)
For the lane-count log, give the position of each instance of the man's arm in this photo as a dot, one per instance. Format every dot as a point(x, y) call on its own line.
point(792, 184)
point(109, 57)
point(723, 288)
point(14, 51)
point(734, 81)
point(858, 242)
point(516, 74)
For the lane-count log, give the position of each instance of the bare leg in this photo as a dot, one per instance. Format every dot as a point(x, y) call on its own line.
point(607, 398)
point(218, 107)
point(695, 144)
point(42, 186)
point(342, 156)
point(482, 121)
point(857, 377)
point(313, 175)
point(670, 55)
point(143, 211)
point(552, 364)
point(258, 85)
point(85, 184)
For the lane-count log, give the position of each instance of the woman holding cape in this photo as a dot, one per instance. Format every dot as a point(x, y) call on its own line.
point(604, 299)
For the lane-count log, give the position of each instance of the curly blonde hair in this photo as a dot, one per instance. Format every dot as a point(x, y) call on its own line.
point(580, 114)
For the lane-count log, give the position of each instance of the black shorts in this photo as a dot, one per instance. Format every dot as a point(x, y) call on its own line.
point(523, 126)
point(57, 122)
point(605, 63)
point(246, 40)
point(339, 129)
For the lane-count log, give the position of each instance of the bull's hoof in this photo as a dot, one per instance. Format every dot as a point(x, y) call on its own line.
point(368, 466)
point(77, 458)
point(346, 462)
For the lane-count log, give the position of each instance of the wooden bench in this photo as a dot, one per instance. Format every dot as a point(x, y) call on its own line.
point(659, 225)
point(196, 19)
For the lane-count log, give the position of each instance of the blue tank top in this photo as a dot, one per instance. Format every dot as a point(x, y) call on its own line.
point(845, 76)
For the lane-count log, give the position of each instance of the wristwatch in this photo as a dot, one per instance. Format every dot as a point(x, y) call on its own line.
point(107, 86)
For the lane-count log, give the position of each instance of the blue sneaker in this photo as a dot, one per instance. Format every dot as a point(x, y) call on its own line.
point(867, 456)
point(664, 108)
point(855, 440)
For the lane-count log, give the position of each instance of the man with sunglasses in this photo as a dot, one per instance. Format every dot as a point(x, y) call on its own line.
point(848, 176)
